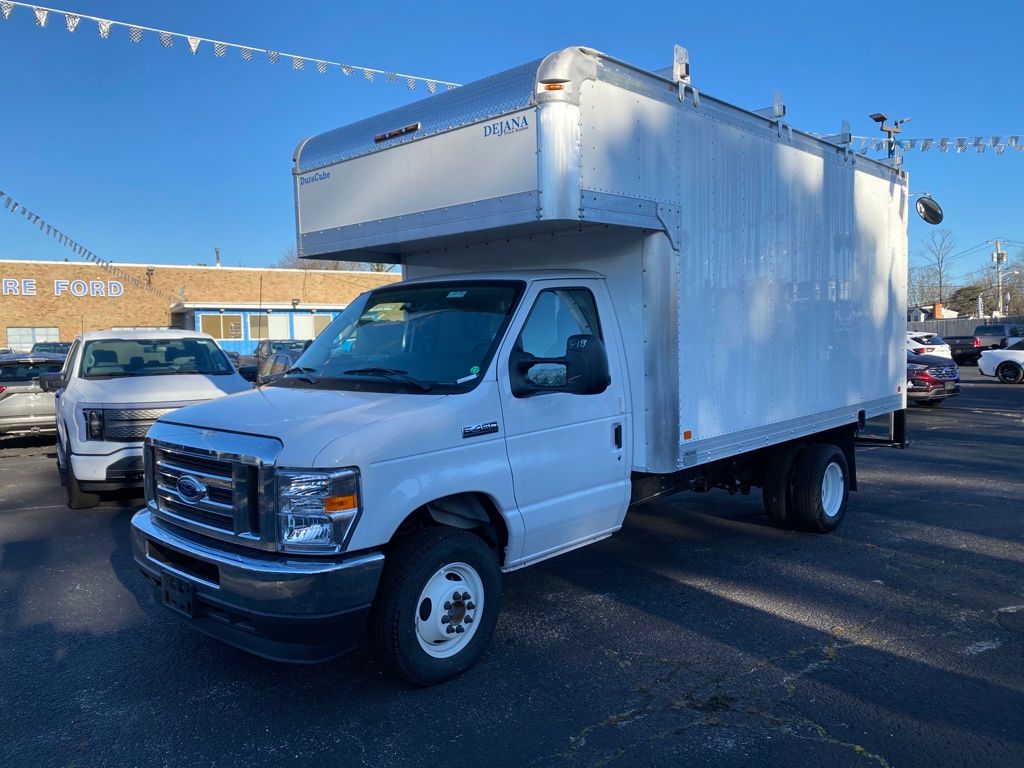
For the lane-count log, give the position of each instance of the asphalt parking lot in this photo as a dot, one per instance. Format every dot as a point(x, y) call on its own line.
point(697, 636)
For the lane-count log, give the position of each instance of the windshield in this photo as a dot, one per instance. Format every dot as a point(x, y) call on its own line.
point(56, 348)
point(26, 370)
point(428, 337)
point(118, 358)
point(280, 346)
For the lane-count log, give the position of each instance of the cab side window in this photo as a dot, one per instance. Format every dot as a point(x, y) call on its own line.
point(69, 361)
point(557, 314)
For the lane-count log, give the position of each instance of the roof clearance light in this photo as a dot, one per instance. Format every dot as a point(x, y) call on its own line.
point(554, 87)
point(411, 128)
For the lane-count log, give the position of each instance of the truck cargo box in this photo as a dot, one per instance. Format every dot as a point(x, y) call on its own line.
point(758, 273)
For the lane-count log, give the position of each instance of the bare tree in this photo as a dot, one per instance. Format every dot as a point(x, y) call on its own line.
point(290, 260)
point(935, 251)
point(920, 285)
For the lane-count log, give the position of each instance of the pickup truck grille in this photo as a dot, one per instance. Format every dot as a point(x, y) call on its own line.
point(944, 373)
point(216, 494)
point(130, 425)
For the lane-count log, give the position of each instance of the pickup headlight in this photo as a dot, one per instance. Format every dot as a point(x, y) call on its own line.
point(316, 510)
point(93, 423)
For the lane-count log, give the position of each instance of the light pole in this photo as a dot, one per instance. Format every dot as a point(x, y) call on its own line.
point(889, 130)
point(999, 258)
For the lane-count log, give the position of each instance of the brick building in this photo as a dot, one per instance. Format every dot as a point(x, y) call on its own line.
point(57, 300)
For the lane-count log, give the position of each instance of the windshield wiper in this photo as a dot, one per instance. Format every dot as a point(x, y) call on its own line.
point(302, 369)
point(395, 373)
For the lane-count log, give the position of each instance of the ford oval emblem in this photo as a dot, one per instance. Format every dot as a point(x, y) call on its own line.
point(190, 489)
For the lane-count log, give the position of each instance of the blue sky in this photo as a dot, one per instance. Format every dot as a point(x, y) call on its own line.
point(154, 155)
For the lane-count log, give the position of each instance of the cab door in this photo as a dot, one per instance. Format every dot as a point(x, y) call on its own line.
point(569, 453)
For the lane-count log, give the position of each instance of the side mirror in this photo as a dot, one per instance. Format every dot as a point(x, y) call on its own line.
point(582, 371)
point(248, 372)
point(929, 210)
point(51, 382)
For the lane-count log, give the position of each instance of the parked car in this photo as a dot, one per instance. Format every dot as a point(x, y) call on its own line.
point(24, 407)
point(985, 337)
point(1007, 365)
point(965, 350)
point(268, 347)
point(931, 379)
point(51, 348)
point(277, 365)
point(113, 386)
point(6, 351)
point(923, 343)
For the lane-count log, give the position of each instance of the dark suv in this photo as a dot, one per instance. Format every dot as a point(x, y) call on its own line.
point(931, 379)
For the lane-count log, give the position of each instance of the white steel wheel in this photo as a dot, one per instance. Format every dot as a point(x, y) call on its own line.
point(821, 487)
point(429, 621)
point(833, 490)
point(449, 609)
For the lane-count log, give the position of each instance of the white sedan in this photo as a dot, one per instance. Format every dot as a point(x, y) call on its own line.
point(1005, 364)
point(924, 343)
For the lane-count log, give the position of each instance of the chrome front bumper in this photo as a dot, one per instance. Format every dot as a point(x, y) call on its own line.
point(280, 607)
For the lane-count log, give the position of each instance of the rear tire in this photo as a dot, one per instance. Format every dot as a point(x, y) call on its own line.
point(76, 497)
point(1009, 373)
point(821, 484)
point(777, 491)
point(416, 605)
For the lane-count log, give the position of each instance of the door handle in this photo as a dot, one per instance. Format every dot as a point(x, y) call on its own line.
point(617, 435)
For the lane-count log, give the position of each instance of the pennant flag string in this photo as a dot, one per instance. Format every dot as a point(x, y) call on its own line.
point(77, 248)
point(959, 144)
point(220, 47)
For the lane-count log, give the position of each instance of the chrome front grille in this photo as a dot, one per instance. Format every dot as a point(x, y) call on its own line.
point(130, 425)
point(215, 507)
point(216, 484)
point(944, 372)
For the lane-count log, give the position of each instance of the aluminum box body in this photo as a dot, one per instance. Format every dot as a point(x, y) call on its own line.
point(758, 273)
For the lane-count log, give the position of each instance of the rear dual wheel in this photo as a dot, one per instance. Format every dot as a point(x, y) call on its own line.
point(807, 487)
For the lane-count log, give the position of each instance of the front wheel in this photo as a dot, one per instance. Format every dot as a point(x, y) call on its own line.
point(1009, 373)
point(76, 497)
point(437, 605)
point(821, 483)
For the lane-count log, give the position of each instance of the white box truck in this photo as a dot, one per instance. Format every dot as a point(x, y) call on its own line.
point(616, 288)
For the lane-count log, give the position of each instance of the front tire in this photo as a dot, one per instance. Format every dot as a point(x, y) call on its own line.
point(1009, 373)
point(437, 605)
point(821, 485)
point(76, 497)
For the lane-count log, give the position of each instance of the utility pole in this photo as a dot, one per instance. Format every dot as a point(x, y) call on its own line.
point(999, 258)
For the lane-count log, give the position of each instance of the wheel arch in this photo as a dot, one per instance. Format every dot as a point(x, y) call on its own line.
point(473, 511)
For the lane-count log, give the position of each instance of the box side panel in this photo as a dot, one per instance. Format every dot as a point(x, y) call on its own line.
point(791, 285)
point(629, 143)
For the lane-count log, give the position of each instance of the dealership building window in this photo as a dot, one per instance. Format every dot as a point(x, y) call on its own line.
point(269, 326)
point(22, 339)
point(222, 326)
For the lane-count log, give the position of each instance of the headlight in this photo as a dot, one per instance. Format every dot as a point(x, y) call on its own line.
point(316, 510)
point(93, 423)
point(916, 367)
